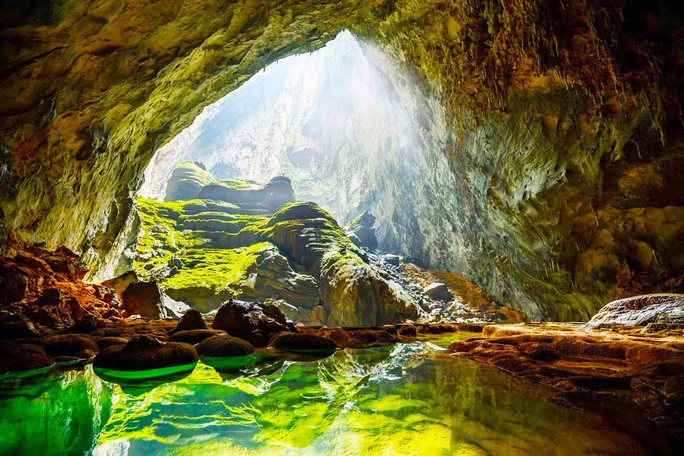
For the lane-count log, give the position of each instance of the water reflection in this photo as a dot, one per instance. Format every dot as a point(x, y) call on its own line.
point(404, 399)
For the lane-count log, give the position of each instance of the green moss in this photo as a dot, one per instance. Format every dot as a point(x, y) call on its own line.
point(217, 269)
point(237, 184)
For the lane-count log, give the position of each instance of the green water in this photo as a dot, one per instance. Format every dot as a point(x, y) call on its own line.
point(412, 399)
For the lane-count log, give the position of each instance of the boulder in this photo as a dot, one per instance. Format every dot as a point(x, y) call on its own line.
point(194, 336)
point(145, 299)
point(69, 345)
point(24, 358)
point(224, 346)
point(15, 326)
point(304, 343)
point(641, 310)
point(192, 319)
point(186, 181)
point(254, 322)
point(144, 353)
point(439, 292)
point(108, 341)
point(120, 283)
point(362, 228)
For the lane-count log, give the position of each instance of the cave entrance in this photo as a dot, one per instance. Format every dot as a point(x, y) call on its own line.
point(351, 127)
point(300, 188)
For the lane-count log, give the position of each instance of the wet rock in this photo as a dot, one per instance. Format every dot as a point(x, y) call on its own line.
point(304, 343)
point(591, 366)
point(144, 299)
point(187, 180)
point(224, 346)
point(191, 319)
point(14, 326)
point(194, 336)
point(407, 331)
point(256, 323)
point(23, 357)
point(358, 337)
point(641, 310)
point(144, 353)
point(69, 345)
point(108, 341)
point(438, 291)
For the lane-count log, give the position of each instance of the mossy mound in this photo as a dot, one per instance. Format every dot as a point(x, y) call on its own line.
point(187, 180)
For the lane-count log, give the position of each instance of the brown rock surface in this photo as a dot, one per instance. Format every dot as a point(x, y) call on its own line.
point(145, 352)
point(592, 366)
point(42, 290)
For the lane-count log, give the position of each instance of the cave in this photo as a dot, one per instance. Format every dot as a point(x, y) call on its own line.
point(340, 227)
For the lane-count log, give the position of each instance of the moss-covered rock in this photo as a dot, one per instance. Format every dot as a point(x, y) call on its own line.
point(186, 181)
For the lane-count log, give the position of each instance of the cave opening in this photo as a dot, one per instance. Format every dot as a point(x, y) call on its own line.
point(346, 123)
point(348, 133)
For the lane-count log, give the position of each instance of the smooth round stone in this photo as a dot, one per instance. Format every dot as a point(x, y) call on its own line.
point(145, 357)
point(308, 344)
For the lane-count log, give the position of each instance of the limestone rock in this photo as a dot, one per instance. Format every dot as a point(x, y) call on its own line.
point(256, 323)
point(145, 353)
point(194, 336)
point(23, 357)
point(120, 283)
point(304, 343)
point(144, 299)
point(249, 196)
point(276, 279)
point(438, 291)
point(641, 310)
point(186, 181)
point(224, 347)
point(191, 319)
point(362, 227)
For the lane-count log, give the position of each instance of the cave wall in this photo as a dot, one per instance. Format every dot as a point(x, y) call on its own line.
point(565, 191)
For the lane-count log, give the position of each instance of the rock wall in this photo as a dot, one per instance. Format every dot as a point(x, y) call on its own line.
point(562, 190)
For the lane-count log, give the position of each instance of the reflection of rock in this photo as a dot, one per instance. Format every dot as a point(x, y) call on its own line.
point(187, 180)
point(145, 353)
point(362, 228)
point(591, 368)
point(144, 299)
point(256, 323)
point(438, 291)
point(642, 310)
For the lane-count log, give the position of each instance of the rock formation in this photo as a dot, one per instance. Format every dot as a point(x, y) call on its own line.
point(361, 229)
point(186, 181)
point(564, 154)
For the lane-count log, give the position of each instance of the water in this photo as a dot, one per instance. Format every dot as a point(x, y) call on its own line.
point(412, 399)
